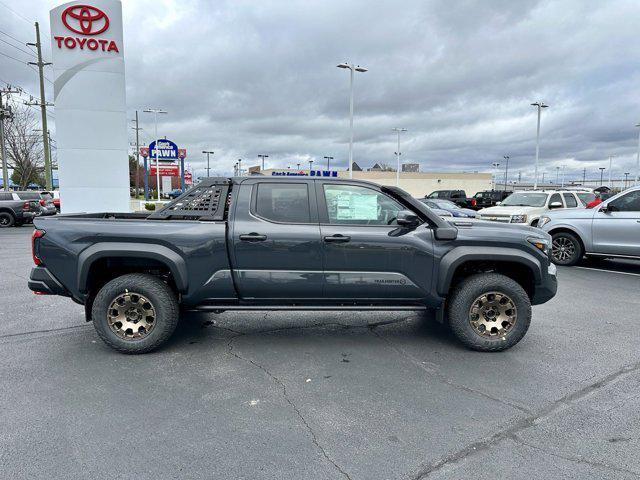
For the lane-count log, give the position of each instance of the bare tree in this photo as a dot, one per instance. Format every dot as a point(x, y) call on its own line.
point(24, 146)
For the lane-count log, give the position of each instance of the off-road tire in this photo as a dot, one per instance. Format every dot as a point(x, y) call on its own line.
point(6, 220)
point(158, 293)
point(468, 291)
point(569, 240)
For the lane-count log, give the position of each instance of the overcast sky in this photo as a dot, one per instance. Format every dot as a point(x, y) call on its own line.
point(249, 77)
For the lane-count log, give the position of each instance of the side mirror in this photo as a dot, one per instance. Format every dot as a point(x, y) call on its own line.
point(555, 205)
point(498, 203)
point(446, 233)
point(608, 208)
point(407, 218)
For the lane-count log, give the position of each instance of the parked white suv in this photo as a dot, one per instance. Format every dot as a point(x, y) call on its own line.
point(528, 206)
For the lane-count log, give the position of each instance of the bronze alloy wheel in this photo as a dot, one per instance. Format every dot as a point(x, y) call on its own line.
point(562, 249)
point(131, 316)
point(493, 315)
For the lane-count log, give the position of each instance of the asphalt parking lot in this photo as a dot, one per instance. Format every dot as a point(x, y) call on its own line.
point(323, 395)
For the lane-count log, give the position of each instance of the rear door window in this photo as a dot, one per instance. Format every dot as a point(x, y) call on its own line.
point(570, 200)
point(555, 198)
point(29, 196)
point(5, 196)
point(283, 202)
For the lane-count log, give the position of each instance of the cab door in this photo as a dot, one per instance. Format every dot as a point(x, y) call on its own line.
point(616, 229)
point(366, 255)
point(277, 253)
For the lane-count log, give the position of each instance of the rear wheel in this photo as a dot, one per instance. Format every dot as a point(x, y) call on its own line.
point(135, 313)
point(6, 220)
point(489, 312)
point(565, 249)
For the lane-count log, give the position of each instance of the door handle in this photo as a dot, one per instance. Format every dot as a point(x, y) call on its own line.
point(253, 237)
point(337, 238)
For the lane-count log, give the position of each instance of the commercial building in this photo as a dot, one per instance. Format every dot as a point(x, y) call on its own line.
point(417, 184)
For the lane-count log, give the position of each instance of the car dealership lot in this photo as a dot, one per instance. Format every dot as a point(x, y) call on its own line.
point(322, 395)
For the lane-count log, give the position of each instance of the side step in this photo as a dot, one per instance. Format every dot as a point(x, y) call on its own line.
point(413, 308)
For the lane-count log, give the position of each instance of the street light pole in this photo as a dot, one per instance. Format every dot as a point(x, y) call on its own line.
point(310, 166)
point(495, 175)
point(352, 68)
point(540, 105)
point(262, 157)
point(398, 131)
point(239, 167)
point(610, 161)
point(328, 159)
point(557, 176)
point(506, 171)
point(638, 158)
point(602, 169)
point(208, 152)
point(626, 176)
point(155, 112)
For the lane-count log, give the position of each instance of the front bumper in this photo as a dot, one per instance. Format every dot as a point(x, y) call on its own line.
point(548, 288)
point(42, 282)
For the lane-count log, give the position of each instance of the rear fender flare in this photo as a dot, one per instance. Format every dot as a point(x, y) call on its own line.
point(174, 262)
point(460, 255)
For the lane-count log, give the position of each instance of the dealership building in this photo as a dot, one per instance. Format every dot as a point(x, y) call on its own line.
point(417, 184)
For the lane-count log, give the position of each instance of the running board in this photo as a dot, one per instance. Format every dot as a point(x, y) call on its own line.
point(403, 308)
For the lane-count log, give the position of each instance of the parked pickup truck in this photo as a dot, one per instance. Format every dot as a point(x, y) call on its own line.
point(258, 243)
point(16, 212)
point(459, 197)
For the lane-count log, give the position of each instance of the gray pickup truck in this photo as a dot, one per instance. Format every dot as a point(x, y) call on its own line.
point(259, 243)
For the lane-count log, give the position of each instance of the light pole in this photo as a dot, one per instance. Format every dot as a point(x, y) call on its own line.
point(638, 158)
point(310, 166)
point(235, 169)
point(610, 161)
point(239, 167)
point(298, 166)
point(562, 177)
point(208, 152)
point(539, 105)
point(557, 176)
point(602, 169)
point(352, 68)
point(626, 176)
point(155, 112)
point(495, 175)
point(506, 171)
point(543, 174)
point(398, 131)
point(328, 159)
point(262, 157)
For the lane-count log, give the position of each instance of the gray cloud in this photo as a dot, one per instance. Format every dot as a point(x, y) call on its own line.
point(244, 78)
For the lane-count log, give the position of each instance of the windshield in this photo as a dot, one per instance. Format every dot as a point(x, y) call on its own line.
point(526, 199)
point(586, 197)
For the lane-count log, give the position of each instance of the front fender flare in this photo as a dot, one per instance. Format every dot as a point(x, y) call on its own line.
point(460, 255)
point(174, 262)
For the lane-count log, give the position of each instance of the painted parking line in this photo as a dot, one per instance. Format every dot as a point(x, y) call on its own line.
point(608, 271)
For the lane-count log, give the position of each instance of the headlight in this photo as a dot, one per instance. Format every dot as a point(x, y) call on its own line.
point(518, 219)
point(543, 221)
point(540, 243)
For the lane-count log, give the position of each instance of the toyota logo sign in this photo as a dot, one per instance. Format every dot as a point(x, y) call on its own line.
point(85, 20)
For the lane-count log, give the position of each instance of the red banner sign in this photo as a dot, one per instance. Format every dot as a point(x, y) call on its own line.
point(188, 178)
point(166, 170)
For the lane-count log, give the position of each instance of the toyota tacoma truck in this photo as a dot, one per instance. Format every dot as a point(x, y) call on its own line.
point(258, 243)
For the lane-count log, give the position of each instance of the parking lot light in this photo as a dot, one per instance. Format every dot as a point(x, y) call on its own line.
point(540, 105)
point(638, 158)
point(351, 68)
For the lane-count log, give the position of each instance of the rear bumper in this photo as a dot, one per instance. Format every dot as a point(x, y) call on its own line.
point(43, 282)
point(546, 290)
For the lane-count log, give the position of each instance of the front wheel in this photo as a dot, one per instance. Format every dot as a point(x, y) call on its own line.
point(135, 313)
point(489, 312)
point(566, 249)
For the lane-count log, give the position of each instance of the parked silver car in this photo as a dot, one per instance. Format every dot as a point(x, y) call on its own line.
point(611, 229)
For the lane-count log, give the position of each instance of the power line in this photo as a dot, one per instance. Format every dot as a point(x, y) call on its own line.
point(12, 58)
point(12, 37)
point(28, 52)
point(15, 13)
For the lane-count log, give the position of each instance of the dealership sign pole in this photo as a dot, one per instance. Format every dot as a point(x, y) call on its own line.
point(89, 94)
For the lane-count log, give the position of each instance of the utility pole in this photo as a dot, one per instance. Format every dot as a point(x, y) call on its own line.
point(208, 152)
point(328, 159)
point(5, 113)
point(43, 109)
point(584, 176)
point(262, 157)
point(506, 171)
point(146, 184)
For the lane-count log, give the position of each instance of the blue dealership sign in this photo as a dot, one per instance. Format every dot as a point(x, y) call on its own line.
point(167, 150)
point(302, 173)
